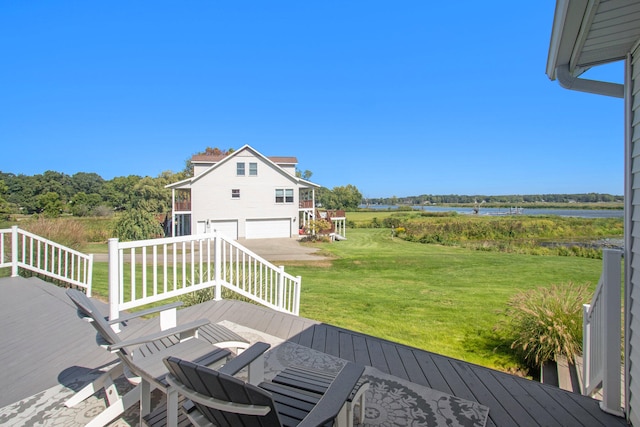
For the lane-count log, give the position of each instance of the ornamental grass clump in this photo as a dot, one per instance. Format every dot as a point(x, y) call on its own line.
point(545, 323)
point(67, 232)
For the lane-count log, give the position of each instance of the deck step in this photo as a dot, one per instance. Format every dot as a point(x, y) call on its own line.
point(562, 374)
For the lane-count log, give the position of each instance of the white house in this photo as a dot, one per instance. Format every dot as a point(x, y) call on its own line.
point(243, 195)
point(585, 34)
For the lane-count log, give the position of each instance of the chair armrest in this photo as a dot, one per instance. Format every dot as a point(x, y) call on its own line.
point(244, 359)
point(211, 402)
point(146, 312)
point(188, 327)
point(335, 397)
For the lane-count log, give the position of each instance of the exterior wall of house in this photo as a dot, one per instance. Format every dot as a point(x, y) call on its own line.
point(632, 244)
point(290, 169)
point(213, 201)
point(198, 168)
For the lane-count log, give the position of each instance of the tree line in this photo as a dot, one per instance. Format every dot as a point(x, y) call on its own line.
point(53, 194)
point(507, 199)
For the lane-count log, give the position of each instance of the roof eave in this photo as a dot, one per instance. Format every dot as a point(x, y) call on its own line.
point(567, 22)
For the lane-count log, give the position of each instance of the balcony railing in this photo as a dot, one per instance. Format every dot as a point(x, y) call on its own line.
point(149, 271)
point(305, 204)
point(20, 249)
point(182, 206)
point(602, 336)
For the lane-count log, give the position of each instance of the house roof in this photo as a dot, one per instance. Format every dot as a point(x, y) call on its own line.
point(275, 162)
point(587, 33)
point(209, 158)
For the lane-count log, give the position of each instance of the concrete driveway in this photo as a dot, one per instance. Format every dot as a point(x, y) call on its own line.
point(282, 249)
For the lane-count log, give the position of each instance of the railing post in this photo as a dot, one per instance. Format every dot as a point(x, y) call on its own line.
point(612, 322)
point(89, 280)
point(114, 283)
point(217, 260)
point(280, 302)
point(296, 296)
point(14, 251)
point(586, 348)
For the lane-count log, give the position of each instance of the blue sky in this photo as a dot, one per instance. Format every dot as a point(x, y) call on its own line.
point(397, 98)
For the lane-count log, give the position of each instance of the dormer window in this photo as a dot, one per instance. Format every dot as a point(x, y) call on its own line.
point(240, 168)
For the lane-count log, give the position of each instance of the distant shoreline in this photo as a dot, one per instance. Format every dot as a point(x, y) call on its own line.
point(568, 209)
point(530, 205)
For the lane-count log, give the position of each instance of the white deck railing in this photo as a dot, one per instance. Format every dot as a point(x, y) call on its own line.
point(148, 271)
point(21, 249)
point(602, 336)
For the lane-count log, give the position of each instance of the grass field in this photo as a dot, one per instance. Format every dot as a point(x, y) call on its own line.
point(441, 299)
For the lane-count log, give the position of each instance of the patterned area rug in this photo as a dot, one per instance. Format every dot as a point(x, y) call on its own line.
point(390, 401)
point(47, 407)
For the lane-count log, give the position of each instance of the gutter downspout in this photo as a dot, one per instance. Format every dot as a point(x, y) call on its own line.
point(568, 81)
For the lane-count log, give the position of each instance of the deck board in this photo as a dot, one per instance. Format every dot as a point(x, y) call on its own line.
point(346, 347)
point(377, 355)
point(479, 389)
point(27, 308)
point(411, 366)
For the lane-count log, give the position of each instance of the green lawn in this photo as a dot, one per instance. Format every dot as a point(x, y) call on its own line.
point(442, 299)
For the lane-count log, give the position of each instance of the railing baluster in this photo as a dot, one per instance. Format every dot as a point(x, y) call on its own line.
point(154, 250)
point(144, 272)
point(175, 266)
point(133, 273)
point(165, 263)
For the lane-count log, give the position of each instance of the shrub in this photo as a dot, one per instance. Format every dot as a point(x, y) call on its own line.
point(102, 210)
point(137, 224)
point(207, 294)
point(545, 323)
point(316, 229)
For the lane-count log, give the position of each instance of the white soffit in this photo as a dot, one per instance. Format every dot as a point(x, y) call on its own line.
point(591, 32)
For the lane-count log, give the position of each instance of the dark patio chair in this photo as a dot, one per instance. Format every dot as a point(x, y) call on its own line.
point(140, 358)
point(223, 400)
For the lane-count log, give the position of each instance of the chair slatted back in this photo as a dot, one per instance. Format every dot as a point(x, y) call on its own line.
point(225, 388)
point(88, 309)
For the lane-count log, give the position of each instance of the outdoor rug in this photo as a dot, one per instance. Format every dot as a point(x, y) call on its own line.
point(390, 401)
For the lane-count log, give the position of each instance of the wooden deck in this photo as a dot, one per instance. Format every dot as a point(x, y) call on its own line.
point(44, 344)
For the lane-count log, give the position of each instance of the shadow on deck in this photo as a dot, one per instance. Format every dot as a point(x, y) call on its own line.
point(45, 345)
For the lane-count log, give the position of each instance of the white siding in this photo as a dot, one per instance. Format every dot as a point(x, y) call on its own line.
point(211, 193)
point(633, 254)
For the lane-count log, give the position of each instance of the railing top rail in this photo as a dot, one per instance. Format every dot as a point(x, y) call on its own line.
point(163, 241)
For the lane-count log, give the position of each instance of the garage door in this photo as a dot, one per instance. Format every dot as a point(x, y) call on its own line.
point(226, 228)
point(268, 228)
